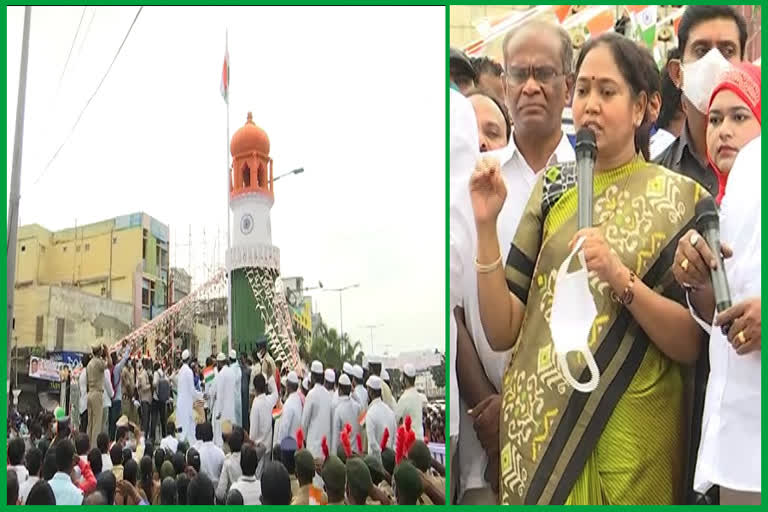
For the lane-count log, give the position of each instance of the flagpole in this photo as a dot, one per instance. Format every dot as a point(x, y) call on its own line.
point(229, 273)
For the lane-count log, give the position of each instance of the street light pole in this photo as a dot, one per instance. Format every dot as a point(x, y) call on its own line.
point(13, 207)
point(341, 317)
point(371, 328)
point(295, 171)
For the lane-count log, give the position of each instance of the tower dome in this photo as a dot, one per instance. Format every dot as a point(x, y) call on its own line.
point(249, 139)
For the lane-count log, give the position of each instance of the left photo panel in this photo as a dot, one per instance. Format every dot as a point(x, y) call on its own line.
point(226, 255)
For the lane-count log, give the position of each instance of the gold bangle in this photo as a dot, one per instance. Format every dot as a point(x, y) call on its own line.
point(490, 267)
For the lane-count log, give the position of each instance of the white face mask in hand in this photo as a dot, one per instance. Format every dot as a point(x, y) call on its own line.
point(573, 312)
point(701, 77)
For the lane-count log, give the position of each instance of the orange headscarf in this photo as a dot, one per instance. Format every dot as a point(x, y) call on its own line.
point(744, 80)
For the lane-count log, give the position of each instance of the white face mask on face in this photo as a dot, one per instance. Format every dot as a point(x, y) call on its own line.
point(573, 312)
point(701, 77)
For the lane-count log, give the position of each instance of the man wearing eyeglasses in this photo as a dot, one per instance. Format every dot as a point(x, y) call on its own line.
point(538, 61)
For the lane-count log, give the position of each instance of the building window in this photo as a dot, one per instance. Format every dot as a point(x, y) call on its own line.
point(42, 249)
point(59, 334)
point(103, 291)
point(144, 246)
point(23, 248)
point(246, 176)
point(64, 249)
point(99, 332)
point(39, 329)
point(87, 247)
point(114, 240)
point(145, 293)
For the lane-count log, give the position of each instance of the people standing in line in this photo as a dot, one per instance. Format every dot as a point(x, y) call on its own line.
point(375, 365)
point(290, 419)
point(261, 418)
point(378, 418)
point(346, 412)
point(223, 393)
point(359, 393)
point(316, 416)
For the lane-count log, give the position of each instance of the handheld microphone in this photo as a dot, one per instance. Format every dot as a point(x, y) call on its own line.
point(586, 153)
point(708, 224)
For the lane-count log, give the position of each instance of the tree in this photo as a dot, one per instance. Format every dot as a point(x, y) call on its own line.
point(438, 372)
point(333, 350)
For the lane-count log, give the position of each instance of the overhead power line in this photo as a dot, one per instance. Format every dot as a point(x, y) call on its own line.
point(72, 46)
point(80, 116)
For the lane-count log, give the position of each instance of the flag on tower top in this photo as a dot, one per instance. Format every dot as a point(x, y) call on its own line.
point(225, 74)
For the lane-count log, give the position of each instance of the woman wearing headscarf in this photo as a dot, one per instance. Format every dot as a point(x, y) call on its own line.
point(729, 452)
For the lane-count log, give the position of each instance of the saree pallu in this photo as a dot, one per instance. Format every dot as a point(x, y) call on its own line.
point(622, 443)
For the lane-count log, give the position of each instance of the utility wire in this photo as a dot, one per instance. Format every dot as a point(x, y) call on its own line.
point(87, 31)
point(80, 116)
point(72, 46)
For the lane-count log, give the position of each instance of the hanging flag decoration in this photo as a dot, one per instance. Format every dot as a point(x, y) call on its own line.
point(225, 75)
point(600, 23)
point(562, 12)
point(645, 18)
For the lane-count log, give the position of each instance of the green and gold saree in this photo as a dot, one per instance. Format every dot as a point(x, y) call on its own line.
point(624, 442)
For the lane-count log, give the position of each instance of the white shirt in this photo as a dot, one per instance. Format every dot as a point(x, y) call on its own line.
point(519, 179)
point(465, 148)
point(290, 420)
point(109, 391)
point(316, 419)
point(185, 416)
point(659, 142)
point(211, 461)
point(347, 411)
point(82, 382)
point(238, 373)
point(230, 472)
point(170, 442)
point(411, 404)
point(261, 419)
point(21, 472)
point(27, 486)
point(378, 418)
point(106, 462)
point(361, 395)
point(250, 489)
point(729, 452)
point(159, 374)
point(224, 393)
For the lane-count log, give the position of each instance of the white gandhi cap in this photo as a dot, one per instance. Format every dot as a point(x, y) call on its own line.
point(346, 367)
point(185, 355)
point(221, 357)
point(374, 382)
point(316, 367)
point(384, 374)
point(292, 377)
point(409, 370)
point(344, 380)
point(357, 371)
point(330, 376)
point(232, 354)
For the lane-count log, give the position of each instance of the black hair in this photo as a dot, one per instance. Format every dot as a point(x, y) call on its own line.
point(168, 492)
point(637, 67)
point(182, 482)
point(170, 427)
point(159, 458)
point(82, 443)
point(289, 461)
point(234, 497)
point(193, 459)
point(106, 483)
point(207, 431)
point(374, 393)
point(41, 494)
point(259, 383)
point(121, 432)
point(486, 65)
point(127, 455)
point(670, 94)
point(183, 447)
point(199, 431)
point(116, 454)
point(317, 378)
point(49, 465)
point(200, 491)
point(131, 471)
point(235, 440)
point(94, 459)
point(249, 459)
point(275, 485)
point(179, 462)
point(16, 451)
point(13, 487)
point(102, 442)
point(499, 103)
point(697, 14)
point(345, 390)
point(33, 461)
point(65, 455)
point(145, 473)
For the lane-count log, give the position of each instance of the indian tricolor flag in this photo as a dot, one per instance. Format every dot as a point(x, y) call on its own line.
point(208, 375)
point(645, 18)
point(361, 418)
point(225, 73)
point(277, 412)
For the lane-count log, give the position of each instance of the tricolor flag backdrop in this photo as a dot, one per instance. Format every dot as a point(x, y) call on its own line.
point(225, 74)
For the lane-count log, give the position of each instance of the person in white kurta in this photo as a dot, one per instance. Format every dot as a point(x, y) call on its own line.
point(224, 397)
point(359, 394)
point(330, 382)
point(237, 372)
point(261, 419)
point(730, 452)
point(185, 415)
point(290, 420)
point(347, 411)
point(378, 418)
point(411, 402)
point(316, 416)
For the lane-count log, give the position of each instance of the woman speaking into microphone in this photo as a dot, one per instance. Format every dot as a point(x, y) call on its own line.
point(603, 425)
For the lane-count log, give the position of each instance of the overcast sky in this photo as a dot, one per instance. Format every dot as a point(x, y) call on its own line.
point(356, 96)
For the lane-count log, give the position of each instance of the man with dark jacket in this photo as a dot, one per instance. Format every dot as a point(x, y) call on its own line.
point(245, 393)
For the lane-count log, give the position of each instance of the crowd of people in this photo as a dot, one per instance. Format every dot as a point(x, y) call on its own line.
point(242, 431)
point(660, 405)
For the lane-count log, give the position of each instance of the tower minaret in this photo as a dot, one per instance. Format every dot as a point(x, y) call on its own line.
point(257, 309)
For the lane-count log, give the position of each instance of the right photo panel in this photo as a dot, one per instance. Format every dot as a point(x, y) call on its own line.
point(605, 250)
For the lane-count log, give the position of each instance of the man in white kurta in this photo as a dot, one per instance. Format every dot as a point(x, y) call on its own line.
point(238, 376)
point(224, 396)
point(316, 417)
point(261, 419)
point(290, 420)
point(185, 415)
point(330, 383)
point(378, 418)
point(375, 365)
point(411, 402)
point(359, 394)
point(347, 411)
